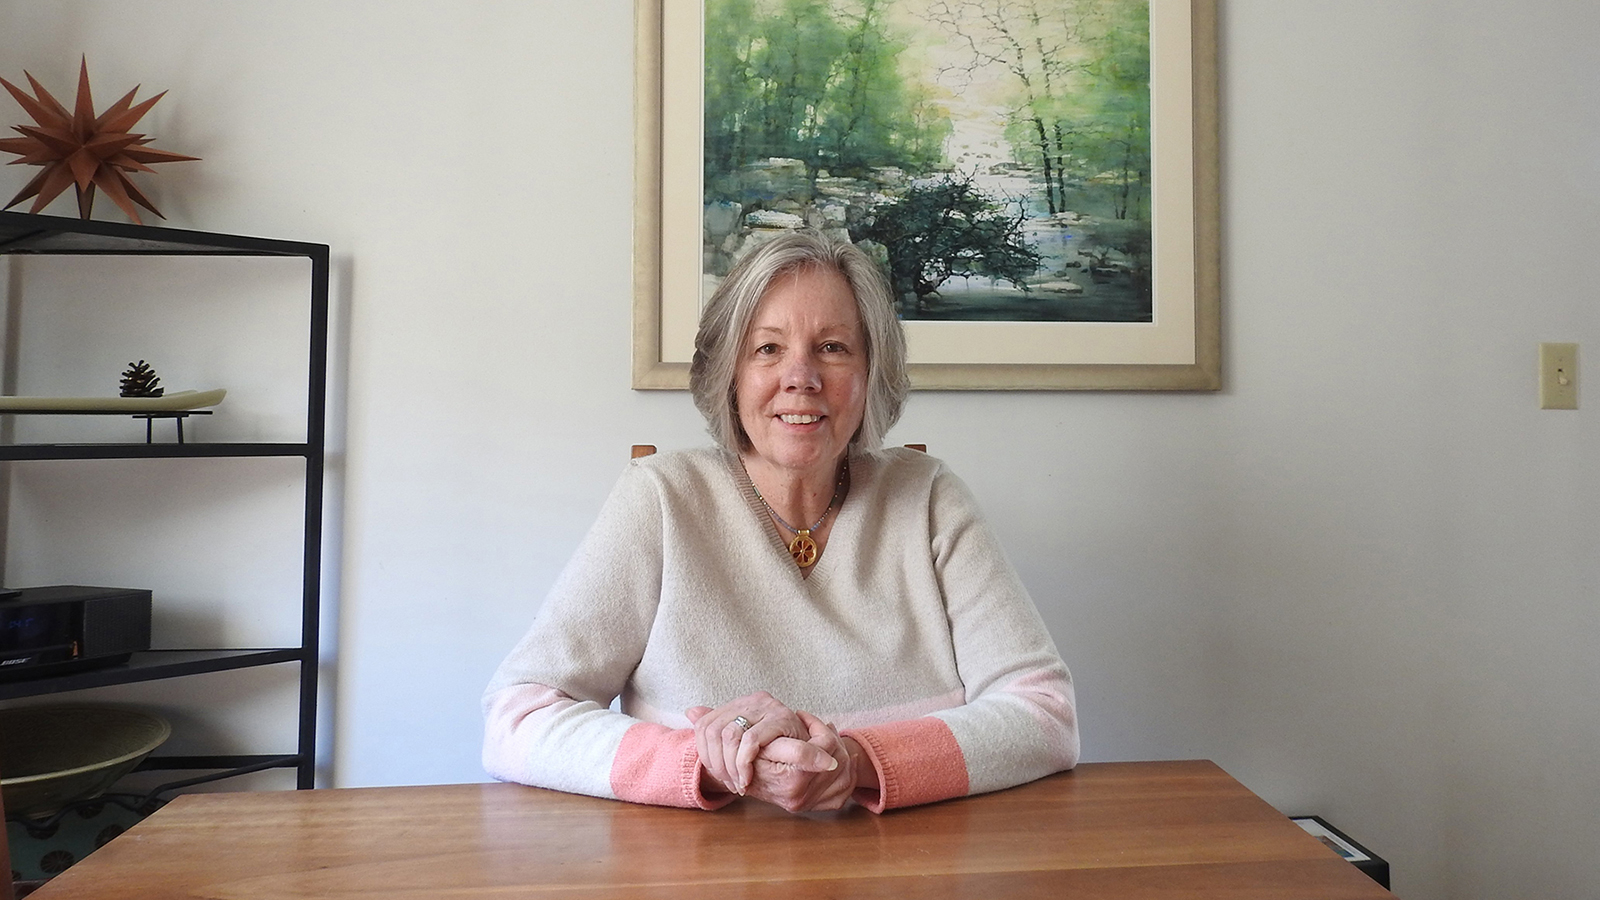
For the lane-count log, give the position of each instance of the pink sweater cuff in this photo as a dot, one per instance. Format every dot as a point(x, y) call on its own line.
point(660, 766)
point(918, 761)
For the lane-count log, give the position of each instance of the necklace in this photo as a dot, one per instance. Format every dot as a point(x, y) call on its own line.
point(803, 548)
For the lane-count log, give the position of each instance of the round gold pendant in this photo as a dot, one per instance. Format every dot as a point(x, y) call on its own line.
point(803, 549)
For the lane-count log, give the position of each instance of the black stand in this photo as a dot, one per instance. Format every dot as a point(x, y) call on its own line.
point(177, 415)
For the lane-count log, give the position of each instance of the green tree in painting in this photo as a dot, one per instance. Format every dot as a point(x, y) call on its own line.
point(730, 98)
point(872, 116)
point(794, 67)
point(1033, 44)
point(815, 81)
point(762, 68)
point(1079, 99)
point(944, 229)
point(1104, 122)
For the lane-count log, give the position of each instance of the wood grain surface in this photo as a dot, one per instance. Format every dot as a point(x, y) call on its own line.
point(1145, 830)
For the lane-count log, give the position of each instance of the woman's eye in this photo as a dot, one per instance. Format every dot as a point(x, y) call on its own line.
point(833, 347)
point(767, 349)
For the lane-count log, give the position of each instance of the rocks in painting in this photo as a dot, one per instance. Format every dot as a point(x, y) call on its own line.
point(779, 167)
point(750, 240)
point(890, 178)
point(771, 218)
point(721, 220)
point(843, 189)
point(1057, 287)
point(1010, 167)
point(768, 181)
point(774, 196)
point(832, 220)
point(829, 218)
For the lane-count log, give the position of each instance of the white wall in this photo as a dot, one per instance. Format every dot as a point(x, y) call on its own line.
point(1362, 577)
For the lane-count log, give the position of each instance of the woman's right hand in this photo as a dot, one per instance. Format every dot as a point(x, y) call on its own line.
point(799, 776)
point(728, 749)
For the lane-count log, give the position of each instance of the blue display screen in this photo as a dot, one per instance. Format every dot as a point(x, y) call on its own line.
point(34, 627)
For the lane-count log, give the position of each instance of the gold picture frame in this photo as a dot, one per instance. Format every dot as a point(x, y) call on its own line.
point(1178, 350)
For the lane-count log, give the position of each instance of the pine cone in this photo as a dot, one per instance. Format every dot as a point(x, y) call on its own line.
point(140, 381)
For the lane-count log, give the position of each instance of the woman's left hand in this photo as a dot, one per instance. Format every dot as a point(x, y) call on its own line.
point(731, 736)
point(786, 774)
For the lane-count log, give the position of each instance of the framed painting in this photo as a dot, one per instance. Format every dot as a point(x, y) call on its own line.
point(1038, 178)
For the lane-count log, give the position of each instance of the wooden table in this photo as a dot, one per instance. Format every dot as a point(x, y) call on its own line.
point(1144, 830)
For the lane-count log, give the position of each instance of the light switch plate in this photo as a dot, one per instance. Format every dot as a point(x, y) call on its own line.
point(1558, 376)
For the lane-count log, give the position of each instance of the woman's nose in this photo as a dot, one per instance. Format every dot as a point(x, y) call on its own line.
point(802, 374)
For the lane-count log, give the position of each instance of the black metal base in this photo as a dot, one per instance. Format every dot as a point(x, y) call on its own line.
point(177, 415)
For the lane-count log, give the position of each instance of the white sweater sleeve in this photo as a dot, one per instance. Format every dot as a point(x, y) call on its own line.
point(548, 720)
point(1020, 720)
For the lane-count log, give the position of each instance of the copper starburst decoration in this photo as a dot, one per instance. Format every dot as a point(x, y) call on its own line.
point(81, 150)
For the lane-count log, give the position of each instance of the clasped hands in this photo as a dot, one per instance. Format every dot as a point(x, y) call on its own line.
point(757, 747)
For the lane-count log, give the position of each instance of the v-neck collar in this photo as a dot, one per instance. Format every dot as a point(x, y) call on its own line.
point(844, 522)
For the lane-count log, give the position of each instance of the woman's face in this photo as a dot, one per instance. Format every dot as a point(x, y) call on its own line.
point(801, 381)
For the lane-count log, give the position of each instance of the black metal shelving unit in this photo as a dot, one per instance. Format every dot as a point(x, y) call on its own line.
point(23, 233)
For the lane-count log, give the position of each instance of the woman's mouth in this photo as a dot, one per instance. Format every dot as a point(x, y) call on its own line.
point(799, 419)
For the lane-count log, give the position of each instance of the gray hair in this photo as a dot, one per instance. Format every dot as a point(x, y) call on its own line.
point(725, 323)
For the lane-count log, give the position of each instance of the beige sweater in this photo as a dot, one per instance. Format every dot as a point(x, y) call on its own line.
point(912, 634)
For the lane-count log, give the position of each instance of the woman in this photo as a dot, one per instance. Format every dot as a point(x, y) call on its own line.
point(794, 615)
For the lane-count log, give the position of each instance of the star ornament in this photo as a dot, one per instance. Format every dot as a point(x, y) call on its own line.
point(83, 151)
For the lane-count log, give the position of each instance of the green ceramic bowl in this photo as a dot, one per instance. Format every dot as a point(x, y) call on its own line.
point(53, 755)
